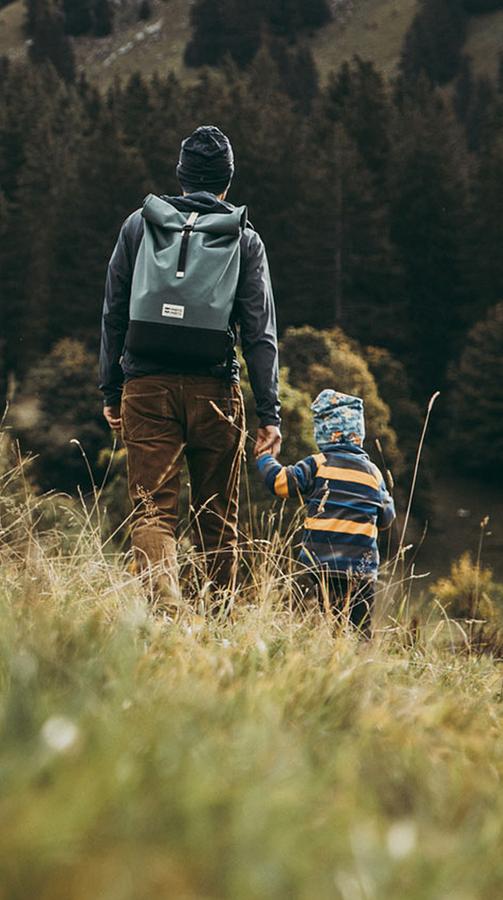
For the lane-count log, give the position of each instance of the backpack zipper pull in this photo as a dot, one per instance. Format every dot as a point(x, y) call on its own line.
point(186, 230)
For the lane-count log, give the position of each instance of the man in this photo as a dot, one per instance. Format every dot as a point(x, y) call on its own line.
point(182, 401)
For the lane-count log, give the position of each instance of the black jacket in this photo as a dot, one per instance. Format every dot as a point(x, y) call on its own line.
point(253, 315)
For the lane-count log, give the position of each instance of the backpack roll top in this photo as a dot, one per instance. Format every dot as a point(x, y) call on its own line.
point(184, 284)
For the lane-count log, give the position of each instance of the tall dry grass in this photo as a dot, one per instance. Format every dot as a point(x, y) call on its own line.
point(269, 754)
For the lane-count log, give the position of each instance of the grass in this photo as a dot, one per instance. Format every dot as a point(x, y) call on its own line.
point(11, 30)
point(374, 30)
point(484, 42)
point(269, 755)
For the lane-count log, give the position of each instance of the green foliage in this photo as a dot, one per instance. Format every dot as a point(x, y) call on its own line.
point(220, 28)
point(480, 7)
point(469, 592)
point(235, 27)
point(356, 96)
point(49, 43)
point(326, 359)
point(486, 228)
point(144, 10)
point(56, 405)
point(476, 400)
point(430, 229)
point(434, 41)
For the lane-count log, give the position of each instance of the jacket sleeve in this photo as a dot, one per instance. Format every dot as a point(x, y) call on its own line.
point(115, 318)
point(256, 317)
point(387, 514)
point(287, 481)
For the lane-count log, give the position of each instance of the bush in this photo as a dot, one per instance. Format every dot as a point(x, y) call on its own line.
point(469, 592)
point(323, 359)
point(56, 405)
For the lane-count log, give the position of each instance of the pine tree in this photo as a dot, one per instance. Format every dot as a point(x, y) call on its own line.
point(79, 16)
point(476, 401)
point(298, 74)
point(479, 7)
point(144, 11)
point(483, 116)
point(430, 229)
point(500, 73)
point(356, 97)
point(344, 270)
point(103, 18)
point(463, 89)
point(486, 258)
point(50, 44)
point(29, 97)
point(434, 42)
point(314, 13)
point(236, 27)
point(109, 184)
point(220, 27)
point(163, 129)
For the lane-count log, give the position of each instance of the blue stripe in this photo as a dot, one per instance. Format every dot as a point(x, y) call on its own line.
point(348, 486)
point(369, 510)
point(338, 537)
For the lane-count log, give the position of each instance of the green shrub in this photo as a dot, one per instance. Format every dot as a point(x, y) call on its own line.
point(328, 359)
point(469, 592)
point(56, 406)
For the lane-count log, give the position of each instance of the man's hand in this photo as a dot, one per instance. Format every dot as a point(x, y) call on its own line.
point(268, 440)
point(113, 416)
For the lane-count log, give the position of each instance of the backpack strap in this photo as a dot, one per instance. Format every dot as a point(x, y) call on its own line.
point(187, 228)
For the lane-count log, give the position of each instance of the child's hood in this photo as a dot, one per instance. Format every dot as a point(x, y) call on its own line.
point(338, 418)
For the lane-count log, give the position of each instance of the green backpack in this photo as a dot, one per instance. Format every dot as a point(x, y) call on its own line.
point(184, 283)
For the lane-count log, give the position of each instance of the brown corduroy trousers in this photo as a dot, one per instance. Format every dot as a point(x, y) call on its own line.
point(164, 419)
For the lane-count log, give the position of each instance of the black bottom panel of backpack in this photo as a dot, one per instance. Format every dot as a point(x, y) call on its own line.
point(172, 343)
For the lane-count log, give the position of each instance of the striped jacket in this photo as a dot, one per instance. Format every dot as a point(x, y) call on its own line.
point(347, 502)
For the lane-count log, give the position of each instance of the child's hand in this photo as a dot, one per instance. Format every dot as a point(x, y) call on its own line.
point(268, 441)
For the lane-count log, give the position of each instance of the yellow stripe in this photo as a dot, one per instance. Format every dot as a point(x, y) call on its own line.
point(338, 474)
point(281, 484)
point(345, 526)
point(319, 459)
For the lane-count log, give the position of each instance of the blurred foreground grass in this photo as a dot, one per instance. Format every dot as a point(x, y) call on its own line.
point(264, 757)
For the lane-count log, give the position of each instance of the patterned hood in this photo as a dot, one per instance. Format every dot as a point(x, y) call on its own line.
point(338, 419)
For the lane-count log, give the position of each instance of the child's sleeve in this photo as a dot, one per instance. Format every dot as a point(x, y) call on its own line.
point(287, 481)
point(386, 515)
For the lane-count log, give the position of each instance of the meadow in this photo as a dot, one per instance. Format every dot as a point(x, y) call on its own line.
point(270, 754)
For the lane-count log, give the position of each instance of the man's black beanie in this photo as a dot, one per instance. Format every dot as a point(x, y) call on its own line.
point(206, 161)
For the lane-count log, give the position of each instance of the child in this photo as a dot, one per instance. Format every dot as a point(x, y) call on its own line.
point(347, 502)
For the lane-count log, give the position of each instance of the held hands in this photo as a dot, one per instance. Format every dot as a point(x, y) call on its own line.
point(113, 416)
point(268, 440)
point(268, 436)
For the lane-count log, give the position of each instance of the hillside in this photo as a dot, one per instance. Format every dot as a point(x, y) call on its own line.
point(372, 28)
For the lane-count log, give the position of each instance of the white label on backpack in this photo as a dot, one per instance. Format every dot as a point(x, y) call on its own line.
point(174, 312)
